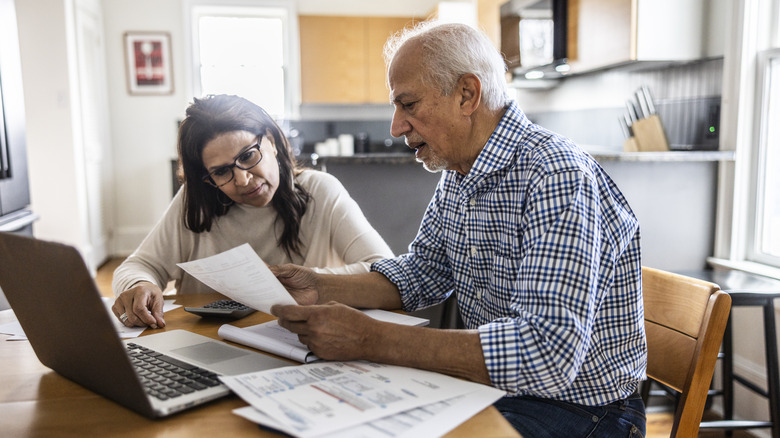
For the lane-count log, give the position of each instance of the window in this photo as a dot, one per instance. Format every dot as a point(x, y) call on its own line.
point(764, 246)
point(748, 234)
point(245, 51)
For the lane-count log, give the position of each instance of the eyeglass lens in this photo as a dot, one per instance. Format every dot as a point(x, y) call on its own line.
point(248, 159)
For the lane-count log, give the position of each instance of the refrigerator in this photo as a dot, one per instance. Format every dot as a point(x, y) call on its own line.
point(15, 213)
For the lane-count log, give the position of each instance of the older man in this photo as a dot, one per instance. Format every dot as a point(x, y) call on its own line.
point(538, 244)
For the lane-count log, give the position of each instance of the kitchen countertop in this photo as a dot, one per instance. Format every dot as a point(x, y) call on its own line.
point(408, 158)
point(665, 156)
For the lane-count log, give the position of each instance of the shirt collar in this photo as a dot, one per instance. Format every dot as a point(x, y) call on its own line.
point(503, 145)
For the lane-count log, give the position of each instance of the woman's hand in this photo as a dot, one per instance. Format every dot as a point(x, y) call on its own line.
point(299, 281)
point(140, 306)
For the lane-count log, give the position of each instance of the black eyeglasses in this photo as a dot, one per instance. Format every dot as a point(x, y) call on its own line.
point(247, 159)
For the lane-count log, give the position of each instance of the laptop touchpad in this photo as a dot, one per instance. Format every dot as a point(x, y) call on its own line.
point(209, 352)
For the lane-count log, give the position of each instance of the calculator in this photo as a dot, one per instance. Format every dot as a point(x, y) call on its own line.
point(222, 308)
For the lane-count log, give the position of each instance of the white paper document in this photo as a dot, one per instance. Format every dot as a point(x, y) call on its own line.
point(240, 274)
point(271, 337)
point(322, 398)
point(430, 421)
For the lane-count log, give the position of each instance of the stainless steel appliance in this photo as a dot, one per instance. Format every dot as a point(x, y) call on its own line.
point(534, 37)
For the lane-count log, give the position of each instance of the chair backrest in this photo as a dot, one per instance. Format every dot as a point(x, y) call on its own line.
point(685, 319)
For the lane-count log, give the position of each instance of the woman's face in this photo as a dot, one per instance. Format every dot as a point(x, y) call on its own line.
point(256, 186)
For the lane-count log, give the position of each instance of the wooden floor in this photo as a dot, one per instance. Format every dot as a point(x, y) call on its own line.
point(659, 424)
point(104, 276)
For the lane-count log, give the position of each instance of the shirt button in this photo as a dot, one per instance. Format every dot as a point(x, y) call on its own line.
point(473, 202)
point(479, 295)
point(473, 250)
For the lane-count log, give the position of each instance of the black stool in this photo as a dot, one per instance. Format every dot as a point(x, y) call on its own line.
point(747, 290)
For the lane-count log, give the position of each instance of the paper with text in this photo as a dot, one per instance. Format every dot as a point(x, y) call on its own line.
point(433, 420)
point(240, 274)
point(319, 398)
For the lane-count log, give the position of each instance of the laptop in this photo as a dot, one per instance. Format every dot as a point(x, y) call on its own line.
point(60, 309)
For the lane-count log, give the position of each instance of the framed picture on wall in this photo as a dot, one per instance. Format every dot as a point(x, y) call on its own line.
point(148, 58)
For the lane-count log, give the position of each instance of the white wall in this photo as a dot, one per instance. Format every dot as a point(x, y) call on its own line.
point(143, 128)
point(53, 159)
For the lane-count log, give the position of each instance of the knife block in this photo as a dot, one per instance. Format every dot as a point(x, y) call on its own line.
point(649, 134)
point(630, 145)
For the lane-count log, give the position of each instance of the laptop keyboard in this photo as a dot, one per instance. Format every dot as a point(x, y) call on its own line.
point(165, 377)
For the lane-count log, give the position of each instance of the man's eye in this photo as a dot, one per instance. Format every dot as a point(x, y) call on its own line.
point(408, 105)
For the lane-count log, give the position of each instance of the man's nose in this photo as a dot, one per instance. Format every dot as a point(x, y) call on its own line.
point(399, 125)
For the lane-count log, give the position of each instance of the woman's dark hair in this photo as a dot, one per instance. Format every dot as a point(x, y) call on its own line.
point(211, 116)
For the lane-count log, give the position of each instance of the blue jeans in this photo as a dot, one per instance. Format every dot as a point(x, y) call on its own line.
point(537, 417)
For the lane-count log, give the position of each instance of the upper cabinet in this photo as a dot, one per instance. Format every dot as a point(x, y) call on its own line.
point(598, 34)
point(614, 32)
point(341, 57)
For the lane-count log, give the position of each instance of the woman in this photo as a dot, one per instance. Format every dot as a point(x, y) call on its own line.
point(241, 185)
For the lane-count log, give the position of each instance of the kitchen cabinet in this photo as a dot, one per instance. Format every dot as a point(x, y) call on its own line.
point(341, 57)
point(489, 19)
point(614, 32)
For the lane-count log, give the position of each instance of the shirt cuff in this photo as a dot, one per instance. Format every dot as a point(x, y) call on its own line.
point(501, 349)
point(394, 270)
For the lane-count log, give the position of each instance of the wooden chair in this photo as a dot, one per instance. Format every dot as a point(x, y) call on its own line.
point(685, 319)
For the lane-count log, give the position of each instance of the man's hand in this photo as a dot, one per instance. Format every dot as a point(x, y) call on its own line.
point(299, 281)
point(140, 306)
point(332, 331)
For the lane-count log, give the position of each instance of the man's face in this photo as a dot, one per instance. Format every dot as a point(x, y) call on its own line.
point(431, 122)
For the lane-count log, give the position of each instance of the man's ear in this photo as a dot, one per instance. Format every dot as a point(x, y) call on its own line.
point(470, 89)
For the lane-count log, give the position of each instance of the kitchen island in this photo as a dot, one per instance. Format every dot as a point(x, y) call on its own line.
point(672, 193)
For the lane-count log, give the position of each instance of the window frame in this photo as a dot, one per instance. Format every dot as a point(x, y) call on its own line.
point(751, 30)
point(285, 10)
point(754, 232)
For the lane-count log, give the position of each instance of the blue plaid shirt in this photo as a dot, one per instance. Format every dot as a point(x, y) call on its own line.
point(542, 252)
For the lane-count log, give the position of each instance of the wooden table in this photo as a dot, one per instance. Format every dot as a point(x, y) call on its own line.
point(35, 401)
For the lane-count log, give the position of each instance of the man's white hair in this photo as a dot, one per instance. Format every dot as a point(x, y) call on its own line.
point(451, 50)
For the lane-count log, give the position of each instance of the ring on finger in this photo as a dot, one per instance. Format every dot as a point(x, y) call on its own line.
point(123, 318)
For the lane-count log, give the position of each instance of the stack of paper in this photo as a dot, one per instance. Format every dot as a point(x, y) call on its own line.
point(358, 399)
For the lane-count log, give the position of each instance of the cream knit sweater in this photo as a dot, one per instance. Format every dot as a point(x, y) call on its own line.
point(336, 237)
